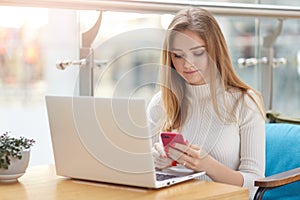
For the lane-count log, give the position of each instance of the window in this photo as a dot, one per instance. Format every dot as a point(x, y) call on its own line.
point(34, 39)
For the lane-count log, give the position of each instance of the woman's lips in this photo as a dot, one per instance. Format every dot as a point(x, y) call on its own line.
point(190, 72)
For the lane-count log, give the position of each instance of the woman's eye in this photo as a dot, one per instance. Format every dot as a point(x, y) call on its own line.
point(200, 53)
point(177, 55)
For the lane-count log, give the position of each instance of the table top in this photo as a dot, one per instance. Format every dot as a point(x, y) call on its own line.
point(41, 182)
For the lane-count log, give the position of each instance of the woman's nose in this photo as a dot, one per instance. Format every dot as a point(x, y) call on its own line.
point(188, 64)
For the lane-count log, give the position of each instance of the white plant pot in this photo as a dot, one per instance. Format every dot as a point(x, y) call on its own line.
point(16, 168)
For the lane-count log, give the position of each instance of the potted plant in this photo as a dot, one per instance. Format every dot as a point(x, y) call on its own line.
point(14, 156)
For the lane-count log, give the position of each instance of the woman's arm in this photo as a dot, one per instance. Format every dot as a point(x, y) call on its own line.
point(252, 136)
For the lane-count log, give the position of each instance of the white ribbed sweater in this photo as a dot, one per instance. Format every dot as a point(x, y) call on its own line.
point(240, 146)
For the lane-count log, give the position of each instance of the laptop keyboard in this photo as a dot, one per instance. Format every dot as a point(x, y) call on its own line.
point(161, 177)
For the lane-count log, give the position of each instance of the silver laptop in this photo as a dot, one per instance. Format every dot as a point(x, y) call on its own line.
point(106, 140)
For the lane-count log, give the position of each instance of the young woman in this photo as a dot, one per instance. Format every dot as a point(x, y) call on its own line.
point(201, 97)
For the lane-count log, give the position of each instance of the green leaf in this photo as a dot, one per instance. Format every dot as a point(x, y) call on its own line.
point(10, 146)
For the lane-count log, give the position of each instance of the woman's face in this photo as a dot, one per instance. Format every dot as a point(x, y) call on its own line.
point(190, 58)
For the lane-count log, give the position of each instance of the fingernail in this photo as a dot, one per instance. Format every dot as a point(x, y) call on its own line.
point(174, 163)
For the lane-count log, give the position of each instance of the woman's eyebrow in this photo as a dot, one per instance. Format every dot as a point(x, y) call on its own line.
point(174, 49)
point(197, 47)
point(193, 48)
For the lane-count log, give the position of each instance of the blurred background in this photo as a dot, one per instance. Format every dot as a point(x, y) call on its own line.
point(33, 40)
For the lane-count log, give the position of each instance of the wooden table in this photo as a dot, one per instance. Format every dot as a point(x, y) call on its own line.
point(40, 182)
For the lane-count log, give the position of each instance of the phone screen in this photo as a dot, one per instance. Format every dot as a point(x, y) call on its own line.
point(169, 138)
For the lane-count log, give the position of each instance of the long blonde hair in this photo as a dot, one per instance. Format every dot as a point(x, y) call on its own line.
point(206, 27)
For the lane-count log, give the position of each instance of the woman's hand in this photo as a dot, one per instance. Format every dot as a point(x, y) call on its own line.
point(195, 158)
point(189, 155)
point(161, 160)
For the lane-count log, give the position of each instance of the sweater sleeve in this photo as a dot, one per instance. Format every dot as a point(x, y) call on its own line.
point(252, 134)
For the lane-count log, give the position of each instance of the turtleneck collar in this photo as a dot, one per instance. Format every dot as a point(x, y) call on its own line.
point(199, 91)
point(202, 91)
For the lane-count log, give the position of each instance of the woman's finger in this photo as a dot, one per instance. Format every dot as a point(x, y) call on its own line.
point(195, 147)
point(162, 163)
point(191, 150)
point(160, 149)
point(155, 153)
point(175, 154)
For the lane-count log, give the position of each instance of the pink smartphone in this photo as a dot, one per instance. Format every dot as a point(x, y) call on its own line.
point(169, 138)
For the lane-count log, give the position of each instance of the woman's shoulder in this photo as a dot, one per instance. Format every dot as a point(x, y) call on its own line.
point(244, 100)
point(249, 101)
point(155, 103)
point(247, 95)
point(156, 99)
point(253, 97)
point(155, 107)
